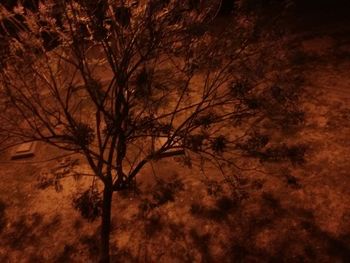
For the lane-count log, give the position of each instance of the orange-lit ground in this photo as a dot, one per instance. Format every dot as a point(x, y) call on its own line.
point(289, 214)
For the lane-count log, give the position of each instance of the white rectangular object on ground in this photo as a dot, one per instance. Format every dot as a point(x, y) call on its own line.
point(24, 150)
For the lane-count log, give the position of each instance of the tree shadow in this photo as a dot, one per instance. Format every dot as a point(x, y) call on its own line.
point(202, 244)
point(293, 234)
point(3, 219)
point(21, 233)
point(123, 256)
point(66, 254)
point(91, 244)
point(338, 247)
point(28, 231)
point(153, 225)
point(161, 194)
point(223, 207)
point(297, 237)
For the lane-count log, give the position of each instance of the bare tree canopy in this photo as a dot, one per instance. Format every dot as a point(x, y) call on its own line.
point(125, 83)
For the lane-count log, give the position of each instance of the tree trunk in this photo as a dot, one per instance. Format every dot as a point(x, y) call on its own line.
point(106, 224)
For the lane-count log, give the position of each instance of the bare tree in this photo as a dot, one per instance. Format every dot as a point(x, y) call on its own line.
point(125, 83)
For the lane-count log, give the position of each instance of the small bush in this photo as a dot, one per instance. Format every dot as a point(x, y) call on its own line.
point(89, 204)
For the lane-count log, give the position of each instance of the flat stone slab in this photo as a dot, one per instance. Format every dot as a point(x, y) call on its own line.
point(24, 150)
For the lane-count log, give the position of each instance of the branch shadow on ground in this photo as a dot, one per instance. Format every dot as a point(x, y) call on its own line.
point(272, 233)
point(27, 231)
